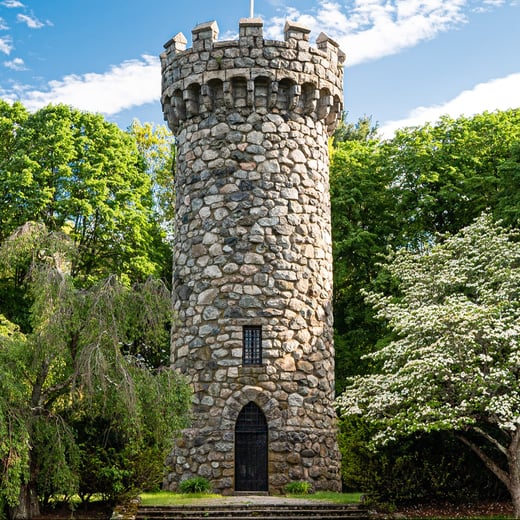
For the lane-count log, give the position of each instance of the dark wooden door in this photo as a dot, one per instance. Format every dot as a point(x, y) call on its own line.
point(251, 450)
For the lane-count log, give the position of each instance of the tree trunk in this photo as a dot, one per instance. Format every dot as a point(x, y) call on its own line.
point(515, 497)
point(513, 460)
point(28, 507)
point(511, 477)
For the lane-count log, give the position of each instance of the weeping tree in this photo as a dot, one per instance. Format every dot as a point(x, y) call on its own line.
point(71, 369)
point(455, 361)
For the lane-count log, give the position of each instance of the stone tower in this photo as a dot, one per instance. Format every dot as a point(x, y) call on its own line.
point(252, 255)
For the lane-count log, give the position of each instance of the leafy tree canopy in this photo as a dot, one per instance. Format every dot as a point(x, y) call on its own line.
point(74, 172)
point(156, 144)
point(402, 192)
point(455, 362)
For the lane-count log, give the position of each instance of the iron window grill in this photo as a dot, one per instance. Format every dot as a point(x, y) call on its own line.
point(252, 345)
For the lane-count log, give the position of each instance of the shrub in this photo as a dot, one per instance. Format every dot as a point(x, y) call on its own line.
point(299, 487)
point(195, 485)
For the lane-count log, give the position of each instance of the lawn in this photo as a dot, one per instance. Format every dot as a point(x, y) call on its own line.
point(165, 498)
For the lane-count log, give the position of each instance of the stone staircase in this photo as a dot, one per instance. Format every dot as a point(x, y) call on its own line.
point(316, 511)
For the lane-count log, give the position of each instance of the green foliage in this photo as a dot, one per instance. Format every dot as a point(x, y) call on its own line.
point(83, 326)
point(454, 362)
point(298, 487)
point(399, 194)
point(446, 174)
point(56, 455)
point(195, 485)
point(362, 130)
point(14, 428)
point(156, 144)
point(420, 468)
point(508, 207)
point(363, 224)
point(93, 414)
point(74, 172)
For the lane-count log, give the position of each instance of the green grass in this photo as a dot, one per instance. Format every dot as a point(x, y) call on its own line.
point(166, 498)
point(330, 496)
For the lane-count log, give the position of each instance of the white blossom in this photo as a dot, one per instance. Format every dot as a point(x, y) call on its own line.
point(456, 360)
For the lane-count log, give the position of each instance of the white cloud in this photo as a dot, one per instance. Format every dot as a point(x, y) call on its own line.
point(12, 3)
point(365, 29)
point(31, 21)
point(132, 83)
point(497, 94)
point(6, 45)
point(3, 25)
point(16, 64)
point(370, 29)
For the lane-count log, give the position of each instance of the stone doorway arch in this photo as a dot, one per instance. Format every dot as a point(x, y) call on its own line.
point(251, 450)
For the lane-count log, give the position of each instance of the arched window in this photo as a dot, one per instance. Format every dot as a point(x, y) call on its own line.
point(324, 103)
point(192, 96)
point(239, 89)
point(335, 110)
point(179, 105)
point(308, 99)
point(285, 94)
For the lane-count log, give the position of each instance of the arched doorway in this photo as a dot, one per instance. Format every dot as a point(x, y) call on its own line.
point(251, 450)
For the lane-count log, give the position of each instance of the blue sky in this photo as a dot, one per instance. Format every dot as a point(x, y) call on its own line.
point(408, 61)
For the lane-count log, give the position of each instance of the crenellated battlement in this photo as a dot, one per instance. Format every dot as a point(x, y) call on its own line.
point(252, 74)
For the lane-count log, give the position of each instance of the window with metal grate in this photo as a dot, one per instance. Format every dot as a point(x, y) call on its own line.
point(252, 345)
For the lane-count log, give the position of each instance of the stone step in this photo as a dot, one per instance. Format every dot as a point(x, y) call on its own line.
point(259, 512)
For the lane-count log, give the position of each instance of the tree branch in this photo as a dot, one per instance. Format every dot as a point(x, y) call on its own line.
point(52, 393)
point(489, 438)
point(490, 463)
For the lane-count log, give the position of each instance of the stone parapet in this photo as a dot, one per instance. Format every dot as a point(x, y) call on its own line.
point(289, 76)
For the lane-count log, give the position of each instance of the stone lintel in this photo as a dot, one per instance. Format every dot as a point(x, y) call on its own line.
point(205, 31)
point(177, 43)
point(296, 31)
point(325, 43)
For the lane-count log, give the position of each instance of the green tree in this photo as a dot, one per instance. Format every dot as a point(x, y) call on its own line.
point(75, 172)
point(508, 206)
point(156, 144)
point(422, 468)
point(401, 193)
point(446, 174)
point(12, 117)
point(455, 362)
point(71, 368)
point(363, 225)
point(362, 130)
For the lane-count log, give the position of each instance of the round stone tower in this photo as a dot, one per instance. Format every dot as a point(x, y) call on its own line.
point(252, 255)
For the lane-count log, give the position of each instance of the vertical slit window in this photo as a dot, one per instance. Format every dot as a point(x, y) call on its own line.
point(252, 345)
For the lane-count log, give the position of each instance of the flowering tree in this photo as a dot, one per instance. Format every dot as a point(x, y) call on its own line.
point(455, 361)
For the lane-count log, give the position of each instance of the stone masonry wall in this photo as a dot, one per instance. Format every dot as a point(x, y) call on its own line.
point(253, 246)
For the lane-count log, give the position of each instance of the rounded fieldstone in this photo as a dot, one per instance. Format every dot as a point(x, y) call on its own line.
point(252, 247)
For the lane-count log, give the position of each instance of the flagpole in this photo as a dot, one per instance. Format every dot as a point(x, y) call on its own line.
point(252, 10)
